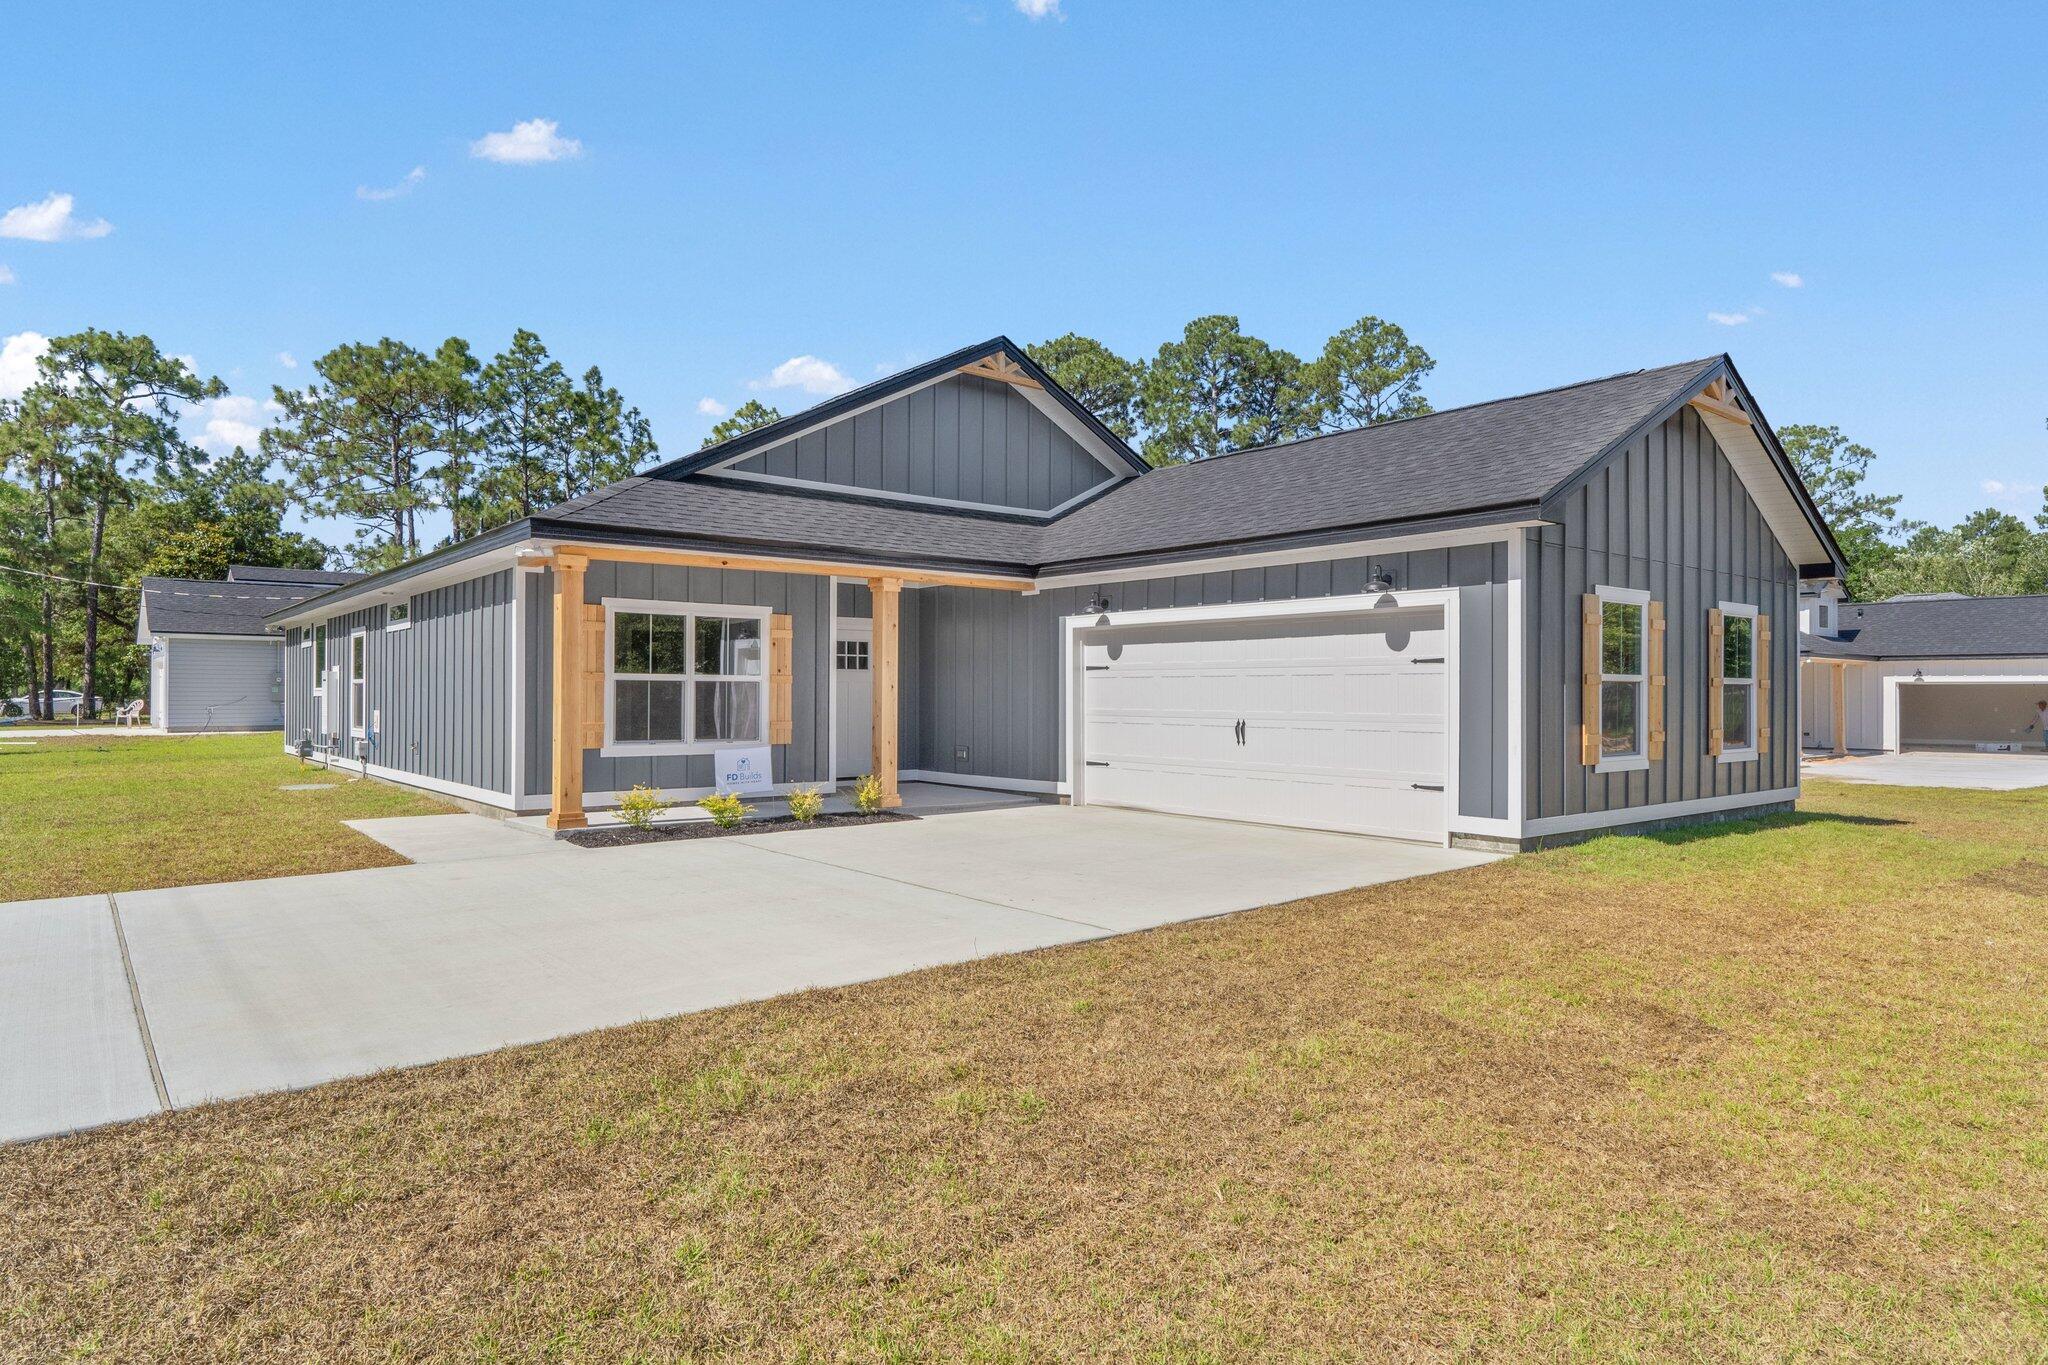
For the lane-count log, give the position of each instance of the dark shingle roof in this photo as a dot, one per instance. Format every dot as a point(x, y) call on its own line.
point(1937, 628)
point(720, 513)
point(1511, 451)
point(1468, 461)
point(186, 606)
point(263, 573)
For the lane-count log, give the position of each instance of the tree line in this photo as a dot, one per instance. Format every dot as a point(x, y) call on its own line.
point(101, 487)
point(1989, 553)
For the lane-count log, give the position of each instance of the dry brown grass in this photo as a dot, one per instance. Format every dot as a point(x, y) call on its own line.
point(1765, 1093)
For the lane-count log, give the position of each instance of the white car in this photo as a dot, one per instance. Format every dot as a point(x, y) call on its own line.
point(63, 702)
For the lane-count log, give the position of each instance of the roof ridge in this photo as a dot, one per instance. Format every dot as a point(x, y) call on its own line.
point(1440, 412)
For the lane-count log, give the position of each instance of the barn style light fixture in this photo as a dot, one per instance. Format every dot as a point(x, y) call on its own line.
point(1098, 604)
point(1381, 580)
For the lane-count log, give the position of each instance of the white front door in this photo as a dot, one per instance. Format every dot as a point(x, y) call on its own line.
point(854, 699)
point(1332, 723)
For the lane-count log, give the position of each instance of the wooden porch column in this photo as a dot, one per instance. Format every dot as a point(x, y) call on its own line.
point(565, 809)
point(888, 604)
point(1841, 708)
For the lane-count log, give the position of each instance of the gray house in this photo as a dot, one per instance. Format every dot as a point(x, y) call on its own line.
point(1494, 625)
point(213, 663)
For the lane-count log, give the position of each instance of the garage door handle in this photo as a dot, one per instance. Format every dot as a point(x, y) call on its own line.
point(1427, 786)
point(1437, 660)
point(1097, 763)
point(1240, 732)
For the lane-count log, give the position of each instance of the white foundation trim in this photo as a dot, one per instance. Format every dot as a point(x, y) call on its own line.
point(338, 763)
point(1632, 815)
point(1000, 784)
point(1444, 600)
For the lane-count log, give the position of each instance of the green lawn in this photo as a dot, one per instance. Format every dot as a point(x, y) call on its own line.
point(87, 814)
point(1767, 1091)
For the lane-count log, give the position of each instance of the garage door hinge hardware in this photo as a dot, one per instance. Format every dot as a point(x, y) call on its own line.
point(1427, 786)
point(1097, 668)
point(1097, 763)
point(1437, 660)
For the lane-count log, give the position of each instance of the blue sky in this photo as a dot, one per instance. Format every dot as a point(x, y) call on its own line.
point(1537, 195)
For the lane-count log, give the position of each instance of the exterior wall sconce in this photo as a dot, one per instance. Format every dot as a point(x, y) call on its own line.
point(1381, 580)
point(1098, 604)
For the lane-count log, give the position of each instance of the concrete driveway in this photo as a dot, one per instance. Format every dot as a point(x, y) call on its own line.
point(116, 1007)
point(1927, 768)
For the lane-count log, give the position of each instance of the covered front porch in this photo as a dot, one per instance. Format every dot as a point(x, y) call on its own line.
point(777, 686)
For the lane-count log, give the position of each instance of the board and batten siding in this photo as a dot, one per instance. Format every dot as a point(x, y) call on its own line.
point(989, 667)
point(805, 597)
point(1667, 515)
point(962, 440)
point(439, 690)
point(223, 684)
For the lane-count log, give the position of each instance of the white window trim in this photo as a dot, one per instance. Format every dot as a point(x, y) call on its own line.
point(1639, 761)
point(358, 725)
point(1748, 753)
point(618, 748)
point(406, 624)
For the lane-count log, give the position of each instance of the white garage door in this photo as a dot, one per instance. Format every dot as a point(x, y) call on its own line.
point(1330, 723)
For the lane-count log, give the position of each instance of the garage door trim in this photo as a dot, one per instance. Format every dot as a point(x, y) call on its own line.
point(1076, 629)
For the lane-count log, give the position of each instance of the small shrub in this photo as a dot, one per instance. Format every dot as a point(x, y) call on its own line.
point(642, 806)
point(806, 804)
point(726, 809)
point(867, 794)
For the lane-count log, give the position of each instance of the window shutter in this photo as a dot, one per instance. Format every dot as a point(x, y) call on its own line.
point(1654, 683)
point(1714, 629)
point(1762, 669)
point(594, 699)
point(781, 678)
point(1589, 689)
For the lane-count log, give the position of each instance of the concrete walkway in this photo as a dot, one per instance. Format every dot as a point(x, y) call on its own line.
point(117, 1007)
point(1931, 768)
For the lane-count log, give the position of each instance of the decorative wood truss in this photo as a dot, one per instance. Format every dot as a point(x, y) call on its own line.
point(1718, 400)
point(579, 655)
point(1002, 369)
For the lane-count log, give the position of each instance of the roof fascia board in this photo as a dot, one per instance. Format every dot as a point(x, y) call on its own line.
point(549, 534)
point(1377, 536)
point(438, 567)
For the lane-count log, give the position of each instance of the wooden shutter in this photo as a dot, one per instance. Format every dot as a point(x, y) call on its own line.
point(1761, 668)
point(781, 678)
point(593, 661)
point(1653, 669)
point(1589, 674)
point(1714, 631)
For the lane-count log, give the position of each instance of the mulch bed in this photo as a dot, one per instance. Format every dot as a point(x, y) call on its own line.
point(620, 836)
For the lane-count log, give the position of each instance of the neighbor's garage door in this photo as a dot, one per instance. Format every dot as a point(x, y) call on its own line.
point(1965, 714)
point(1332, 723)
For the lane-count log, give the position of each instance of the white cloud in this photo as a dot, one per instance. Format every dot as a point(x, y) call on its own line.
point(710, 407)
point(379, 193)
point(528, 142)
point(1789, 279)
point(2011, 492)
point(231, 421)
point(1729, 319)
point(805, 372)
point(1035, 10)
point(18, 356)
point(288, 360)
point(6, 275)
point(50, 221)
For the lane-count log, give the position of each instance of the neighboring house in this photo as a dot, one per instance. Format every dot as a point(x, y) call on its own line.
point(213, 664)
point(1935, 671)
point(1490, 626)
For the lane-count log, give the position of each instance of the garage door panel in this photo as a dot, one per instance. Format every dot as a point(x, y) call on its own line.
point(1343, 727)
